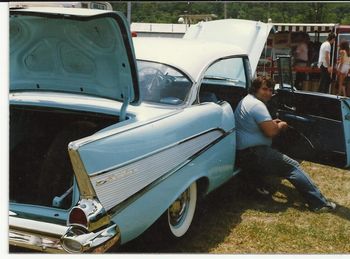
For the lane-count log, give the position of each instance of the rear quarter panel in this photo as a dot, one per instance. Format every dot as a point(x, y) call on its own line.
point(125, 146)
point(216, 164)
point(201, 143)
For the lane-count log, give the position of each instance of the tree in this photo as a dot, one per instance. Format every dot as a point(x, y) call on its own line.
point(279, 12)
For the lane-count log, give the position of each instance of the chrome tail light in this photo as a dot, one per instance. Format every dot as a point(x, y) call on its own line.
point(77, 217)
point(90, 228)
point(89, 214)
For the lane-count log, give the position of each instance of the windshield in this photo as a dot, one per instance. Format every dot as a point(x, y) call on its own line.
point(161, 83)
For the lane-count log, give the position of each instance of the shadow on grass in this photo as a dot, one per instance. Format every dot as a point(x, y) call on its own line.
point(219, 213)
point(342, 212)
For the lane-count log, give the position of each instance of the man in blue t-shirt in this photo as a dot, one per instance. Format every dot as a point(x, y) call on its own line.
point(255, 130)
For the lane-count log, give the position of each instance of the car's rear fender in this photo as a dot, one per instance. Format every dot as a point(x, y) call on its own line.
point(152, 203)
point(145, 153)
point(155, 162)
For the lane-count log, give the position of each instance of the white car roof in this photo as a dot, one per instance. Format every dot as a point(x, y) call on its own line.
point(190, 56)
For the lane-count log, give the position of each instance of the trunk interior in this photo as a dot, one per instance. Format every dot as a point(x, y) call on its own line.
point(40, 167)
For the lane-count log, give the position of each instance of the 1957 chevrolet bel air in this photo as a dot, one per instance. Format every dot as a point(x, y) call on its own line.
point(91, 166)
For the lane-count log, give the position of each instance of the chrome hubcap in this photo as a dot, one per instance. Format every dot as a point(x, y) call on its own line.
point(177, 210)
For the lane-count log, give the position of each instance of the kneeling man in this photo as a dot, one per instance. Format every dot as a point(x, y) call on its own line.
point(255, 130)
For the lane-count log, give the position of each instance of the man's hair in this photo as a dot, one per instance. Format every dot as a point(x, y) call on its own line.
point(259, 82)
point(331, 36)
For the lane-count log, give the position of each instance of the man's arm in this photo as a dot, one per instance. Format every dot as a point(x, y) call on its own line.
point(272, 128)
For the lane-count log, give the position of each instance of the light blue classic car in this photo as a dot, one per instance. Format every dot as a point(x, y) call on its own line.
point(91, 166)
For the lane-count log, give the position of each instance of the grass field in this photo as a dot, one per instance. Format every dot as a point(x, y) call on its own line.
point(234, 220)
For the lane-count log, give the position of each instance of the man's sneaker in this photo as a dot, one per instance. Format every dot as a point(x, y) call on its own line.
point(330, 206)
point(262, 191)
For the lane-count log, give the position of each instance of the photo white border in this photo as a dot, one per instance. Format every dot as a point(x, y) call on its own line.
point(4, 119)
point(4, 133)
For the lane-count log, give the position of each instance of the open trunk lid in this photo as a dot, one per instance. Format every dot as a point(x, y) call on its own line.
point(82, 51)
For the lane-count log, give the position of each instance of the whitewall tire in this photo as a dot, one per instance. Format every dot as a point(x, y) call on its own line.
point(181, 212)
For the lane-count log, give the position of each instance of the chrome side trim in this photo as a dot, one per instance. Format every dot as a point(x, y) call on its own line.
point(119, 184)
point(324, 118)
point(104, 171)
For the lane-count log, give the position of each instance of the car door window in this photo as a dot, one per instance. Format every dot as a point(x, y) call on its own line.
point(226, 80)
point(230, 70)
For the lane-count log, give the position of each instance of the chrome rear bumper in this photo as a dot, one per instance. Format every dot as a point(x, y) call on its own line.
point(76, 240)
point(51, 238)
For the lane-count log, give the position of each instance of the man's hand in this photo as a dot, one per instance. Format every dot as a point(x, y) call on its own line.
point(330, 69)
point(273, 128)
point(282, 125)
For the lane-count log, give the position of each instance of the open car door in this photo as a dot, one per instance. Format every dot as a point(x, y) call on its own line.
point(319, 124)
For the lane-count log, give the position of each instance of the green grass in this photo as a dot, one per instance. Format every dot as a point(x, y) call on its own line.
point(234, 220)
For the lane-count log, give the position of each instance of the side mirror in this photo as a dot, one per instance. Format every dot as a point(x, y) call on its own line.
point(284, 65)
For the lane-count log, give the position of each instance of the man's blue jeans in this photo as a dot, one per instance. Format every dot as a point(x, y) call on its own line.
point(263, 161)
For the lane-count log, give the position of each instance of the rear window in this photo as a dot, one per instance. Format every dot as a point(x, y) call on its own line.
point(160, 83)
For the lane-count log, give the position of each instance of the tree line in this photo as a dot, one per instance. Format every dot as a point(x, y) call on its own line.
point(279, 12)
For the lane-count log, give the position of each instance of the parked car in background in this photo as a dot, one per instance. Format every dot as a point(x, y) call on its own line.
point(91, 166)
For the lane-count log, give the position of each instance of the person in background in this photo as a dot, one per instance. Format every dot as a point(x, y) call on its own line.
point(324, 63)
point(256, 158)
point(300, 52)
point(343, 66)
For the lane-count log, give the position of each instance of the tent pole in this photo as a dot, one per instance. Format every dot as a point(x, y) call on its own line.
point(332, 61)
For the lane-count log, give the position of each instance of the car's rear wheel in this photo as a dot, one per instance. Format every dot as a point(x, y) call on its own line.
point(181, 211)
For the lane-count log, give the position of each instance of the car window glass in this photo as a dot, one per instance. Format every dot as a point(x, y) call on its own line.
point(230, 71)
point(161, 83)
